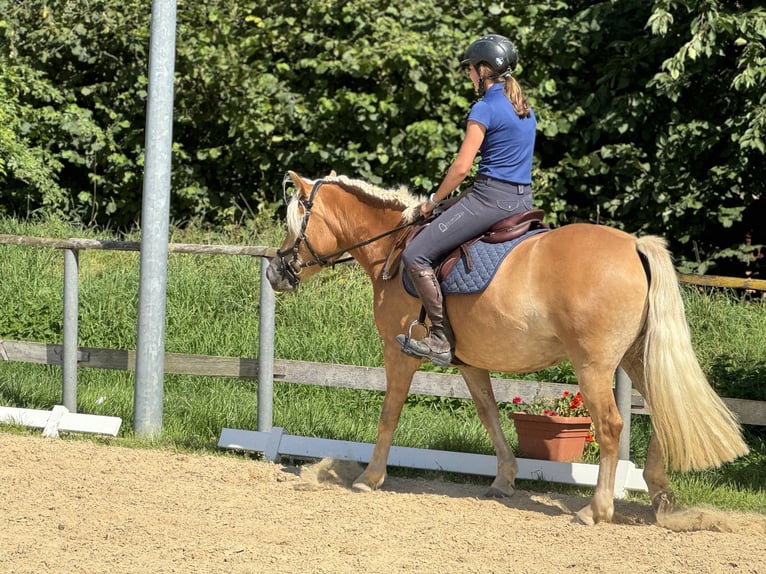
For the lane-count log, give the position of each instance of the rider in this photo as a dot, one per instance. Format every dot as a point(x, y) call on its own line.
point(501, 128)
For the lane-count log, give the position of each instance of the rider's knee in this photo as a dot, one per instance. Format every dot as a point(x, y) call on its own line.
point(414, 261)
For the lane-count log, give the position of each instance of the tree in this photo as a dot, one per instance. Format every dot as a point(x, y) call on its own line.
point(655, 119)
point(651, 115)
point(28, 172)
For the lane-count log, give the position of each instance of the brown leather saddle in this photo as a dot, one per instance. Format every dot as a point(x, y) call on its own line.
point(505, 230)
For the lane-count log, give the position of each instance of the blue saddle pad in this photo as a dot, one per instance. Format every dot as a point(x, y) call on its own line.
point(486, 258)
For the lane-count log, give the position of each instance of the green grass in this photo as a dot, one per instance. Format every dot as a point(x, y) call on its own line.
point(213, 308)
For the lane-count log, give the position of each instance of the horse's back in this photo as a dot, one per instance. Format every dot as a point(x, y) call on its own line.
point(581, 268)
point(580, 254)
point(586, 240)
point(573, 287)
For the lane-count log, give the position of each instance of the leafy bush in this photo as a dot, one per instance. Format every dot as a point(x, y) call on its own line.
point(651, 115)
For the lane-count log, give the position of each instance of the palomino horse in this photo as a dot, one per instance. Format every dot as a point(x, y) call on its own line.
point(591, 294)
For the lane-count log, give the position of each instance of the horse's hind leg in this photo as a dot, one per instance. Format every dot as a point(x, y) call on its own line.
point(480, 388)
point(655, 474)
point(596, 387)
point(656, 478)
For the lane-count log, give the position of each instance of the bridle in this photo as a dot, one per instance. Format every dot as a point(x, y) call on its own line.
point(294, 265)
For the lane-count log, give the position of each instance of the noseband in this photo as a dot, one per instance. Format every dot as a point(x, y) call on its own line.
point(294, 265)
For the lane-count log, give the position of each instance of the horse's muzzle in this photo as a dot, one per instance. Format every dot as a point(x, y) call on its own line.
point(281, 277)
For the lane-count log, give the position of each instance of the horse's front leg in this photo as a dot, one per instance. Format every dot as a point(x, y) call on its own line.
point(483, 396)
point(399, 372)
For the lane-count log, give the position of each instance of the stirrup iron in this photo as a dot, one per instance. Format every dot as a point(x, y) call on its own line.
point(404, 340)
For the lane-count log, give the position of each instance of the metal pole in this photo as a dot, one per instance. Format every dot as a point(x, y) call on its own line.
point(266, 352)
point(155, 210)
point(623, 395)
point(69, 392)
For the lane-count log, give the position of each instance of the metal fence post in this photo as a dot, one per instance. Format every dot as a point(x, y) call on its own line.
point(155, 210)
point(69, 359)
point(266, 352)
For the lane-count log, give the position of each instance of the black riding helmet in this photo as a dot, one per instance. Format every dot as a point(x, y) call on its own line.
point(496, 51)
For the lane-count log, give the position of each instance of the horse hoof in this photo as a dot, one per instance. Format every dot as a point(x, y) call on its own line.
point(663, 502)
point(361, 487)
point(494, 492)
point(585, 516)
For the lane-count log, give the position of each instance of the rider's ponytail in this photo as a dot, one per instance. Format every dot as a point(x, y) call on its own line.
point(511, 88)
point(516, 96)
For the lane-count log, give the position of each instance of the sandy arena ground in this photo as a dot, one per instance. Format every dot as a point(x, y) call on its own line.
point(76, 506)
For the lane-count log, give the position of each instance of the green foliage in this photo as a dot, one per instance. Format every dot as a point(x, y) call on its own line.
point(727, 332)
point(714, 82)
point(656, 112)
point(566, 405)
point(315, 86)
point(84, 68)
point(37, 312)
point(651, 114)
point(24, 169)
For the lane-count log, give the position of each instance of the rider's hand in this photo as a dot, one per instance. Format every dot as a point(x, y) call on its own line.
point(428, 206)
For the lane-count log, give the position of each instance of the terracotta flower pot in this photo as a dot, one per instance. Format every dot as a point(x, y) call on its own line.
point(547, 437)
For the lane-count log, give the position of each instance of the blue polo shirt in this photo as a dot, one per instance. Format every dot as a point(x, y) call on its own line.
point(508, 146)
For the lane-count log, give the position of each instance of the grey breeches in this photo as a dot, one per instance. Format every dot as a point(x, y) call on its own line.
point(489, 201)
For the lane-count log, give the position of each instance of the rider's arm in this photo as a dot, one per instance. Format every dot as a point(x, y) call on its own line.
point(461, 167)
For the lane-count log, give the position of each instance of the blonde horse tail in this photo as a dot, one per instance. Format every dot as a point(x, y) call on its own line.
point(694, 427)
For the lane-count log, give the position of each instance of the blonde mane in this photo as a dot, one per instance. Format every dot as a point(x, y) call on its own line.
point(396, 198)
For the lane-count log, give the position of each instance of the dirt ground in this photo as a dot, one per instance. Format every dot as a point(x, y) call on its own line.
point(75, 506)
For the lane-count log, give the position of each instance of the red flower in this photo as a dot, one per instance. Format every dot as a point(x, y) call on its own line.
point(567, 404)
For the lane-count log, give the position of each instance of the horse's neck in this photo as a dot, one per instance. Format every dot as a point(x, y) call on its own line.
point(361, 227)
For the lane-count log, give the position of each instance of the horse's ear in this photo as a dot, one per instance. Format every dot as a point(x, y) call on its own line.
point(332, 173)
point(297, 180)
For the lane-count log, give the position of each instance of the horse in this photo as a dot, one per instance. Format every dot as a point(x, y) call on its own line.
point(590, 294)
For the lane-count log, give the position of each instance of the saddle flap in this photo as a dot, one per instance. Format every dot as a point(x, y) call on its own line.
point(451, 260)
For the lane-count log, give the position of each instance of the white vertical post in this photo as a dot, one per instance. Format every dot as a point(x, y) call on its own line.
point(155, 213)
point(266, 352)
point(69, 359)
point(623, 392)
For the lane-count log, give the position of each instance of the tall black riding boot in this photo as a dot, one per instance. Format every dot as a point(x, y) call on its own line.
point(438, 344)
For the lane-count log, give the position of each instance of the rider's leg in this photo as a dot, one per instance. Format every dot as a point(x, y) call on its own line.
point(487, 203)
point(438, 344)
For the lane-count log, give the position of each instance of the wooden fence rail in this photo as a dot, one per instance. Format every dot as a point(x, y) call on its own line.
point(106, 245)
point(726, 282)
point(324, 374)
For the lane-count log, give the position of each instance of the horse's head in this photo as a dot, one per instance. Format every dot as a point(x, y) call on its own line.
point(347, 215)
point(299, 257)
